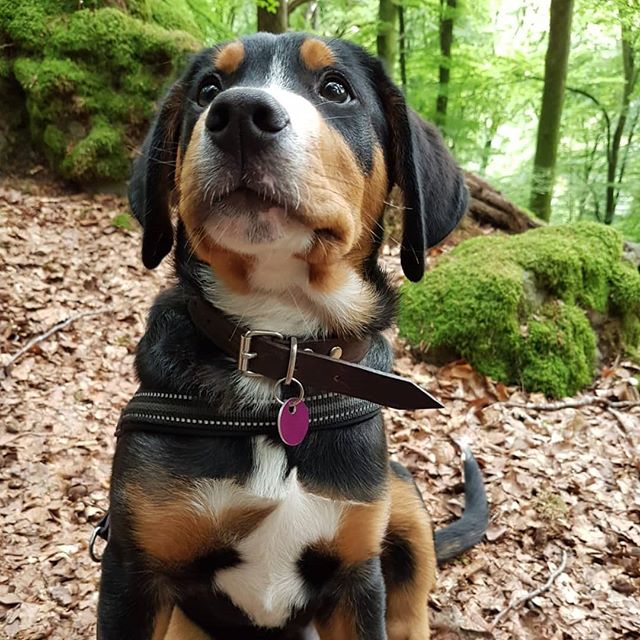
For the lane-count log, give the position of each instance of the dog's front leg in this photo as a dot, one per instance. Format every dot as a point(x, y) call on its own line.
point(358, 612)
point(129, 607)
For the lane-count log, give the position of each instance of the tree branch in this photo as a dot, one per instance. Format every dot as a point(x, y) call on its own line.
point(294, 4)
point(514, 604)
point(49, 332)
point(573, 404)
point(593, 99)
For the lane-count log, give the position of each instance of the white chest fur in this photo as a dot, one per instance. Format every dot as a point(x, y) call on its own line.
point(267, 585)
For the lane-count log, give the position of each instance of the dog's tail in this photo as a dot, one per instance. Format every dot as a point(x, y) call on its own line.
point(470, 528)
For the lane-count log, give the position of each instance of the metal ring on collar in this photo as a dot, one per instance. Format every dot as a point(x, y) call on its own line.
point(293, 352)
point(279, 383)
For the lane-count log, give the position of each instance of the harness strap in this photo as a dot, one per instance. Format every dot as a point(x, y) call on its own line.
point(185, 415)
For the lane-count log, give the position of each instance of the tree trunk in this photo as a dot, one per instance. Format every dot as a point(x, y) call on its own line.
point(614, 152)
point(387, 41)
point(274, 22)
point(403, 49)
point(447, 9)
point(555, 75)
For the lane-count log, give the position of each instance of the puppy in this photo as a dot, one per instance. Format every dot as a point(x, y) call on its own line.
point(277, 154)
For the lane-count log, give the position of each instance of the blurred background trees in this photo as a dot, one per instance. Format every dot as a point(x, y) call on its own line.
point(477, 69)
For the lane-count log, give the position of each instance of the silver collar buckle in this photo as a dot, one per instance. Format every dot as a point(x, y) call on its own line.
point(245, 354)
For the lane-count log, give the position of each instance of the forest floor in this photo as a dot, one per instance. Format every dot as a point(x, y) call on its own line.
point(563, 484)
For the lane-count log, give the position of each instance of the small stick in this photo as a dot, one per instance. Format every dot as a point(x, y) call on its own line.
point(413, 449)
point(49, 332)
point(514, 604)
point(573, 404)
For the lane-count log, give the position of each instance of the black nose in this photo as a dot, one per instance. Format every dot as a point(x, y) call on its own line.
point(245, 120)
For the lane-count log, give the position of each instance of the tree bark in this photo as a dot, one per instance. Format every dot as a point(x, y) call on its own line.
point(488, 206)
point(447, 9)
point(628, 65)
point(387, 40)
point(274, 22)
point(555, 75)
point(403, 49)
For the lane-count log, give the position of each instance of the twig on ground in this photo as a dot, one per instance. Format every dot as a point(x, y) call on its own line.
point(49, 332)
point(626, 430)
point(514, 604)
point(419, 452)
point(572, 404)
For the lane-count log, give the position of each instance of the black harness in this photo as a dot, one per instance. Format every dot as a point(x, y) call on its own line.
point(182, 415)
point(174, 414)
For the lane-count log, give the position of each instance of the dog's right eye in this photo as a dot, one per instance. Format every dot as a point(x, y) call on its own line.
point(208, 92)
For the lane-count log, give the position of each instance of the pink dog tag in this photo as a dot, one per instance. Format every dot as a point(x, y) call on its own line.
point(293, 422)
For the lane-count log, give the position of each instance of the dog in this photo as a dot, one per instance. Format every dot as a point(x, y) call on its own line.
point(278, 154)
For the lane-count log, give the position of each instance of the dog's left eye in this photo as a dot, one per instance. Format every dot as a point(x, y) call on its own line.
point(335, 90)
point(207, 93)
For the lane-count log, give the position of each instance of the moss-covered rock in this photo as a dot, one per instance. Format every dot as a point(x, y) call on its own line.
point(518, 308)
point(90, 77)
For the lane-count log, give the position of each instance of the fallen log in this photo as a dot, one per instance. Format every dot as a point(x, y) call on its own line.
point(488, 206)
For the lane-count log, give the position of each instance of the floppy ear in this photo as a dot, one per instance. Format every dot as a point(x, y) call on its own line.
point(153, 179)
point(435, 196)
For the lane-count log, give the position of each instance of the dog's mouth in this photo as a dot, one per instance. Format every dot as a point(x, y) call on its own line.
point(245, 200)
point(245, 219)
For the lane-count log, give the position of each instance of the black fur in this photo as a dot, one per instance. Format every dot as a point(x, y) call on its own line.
point(398, 561)
point(468, 530)
point(349, 464)
point(434, 193)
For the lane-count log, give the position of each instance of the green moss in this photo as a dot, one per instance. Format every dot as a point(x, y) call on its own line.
point(91, 76)
point(516, 307)
point(123, 221)
point(96, 155)
point(558, 355)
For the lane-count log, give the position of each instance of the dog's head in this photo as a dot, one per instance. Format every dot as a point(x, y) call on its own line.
point(289, 145)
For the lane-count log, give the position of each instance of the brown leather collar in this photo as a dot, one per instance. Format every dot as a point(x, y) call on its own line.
point(326, 365)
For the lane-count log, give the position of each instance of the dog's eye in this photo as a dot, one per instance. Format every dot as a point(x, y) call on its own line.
point(335, 90)
point(208, 92)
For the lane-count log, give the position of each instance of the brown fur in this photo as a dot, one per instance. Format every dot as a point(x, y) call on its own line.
point(193, 531)
point(335, 186)
point(230, 57)
point(373, 202)
point(181, 628)
point(161, 623)
point(361, 531)
point(232, 268)
point(407, 613)
point(339, 626)
point(315, 54)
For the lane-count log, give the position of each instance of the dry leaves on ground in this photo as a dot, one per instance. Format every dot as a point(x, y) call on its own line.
point(557, 480)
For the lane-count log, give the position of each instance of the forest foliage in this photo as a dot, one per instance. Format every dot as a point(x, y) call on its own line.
point(106, 61)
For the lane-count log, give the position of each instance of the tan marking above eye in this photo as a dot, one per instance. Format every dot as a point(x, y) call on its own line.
point(315, 54)
point(230, 57)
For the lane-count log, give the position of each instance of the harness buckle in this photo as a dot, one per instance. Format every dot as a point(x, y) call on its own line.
point(245, 354)
point(101, 530)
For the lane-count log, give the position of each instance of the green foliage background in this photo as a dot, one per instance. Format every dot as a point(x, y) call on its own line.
point(91, 70)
